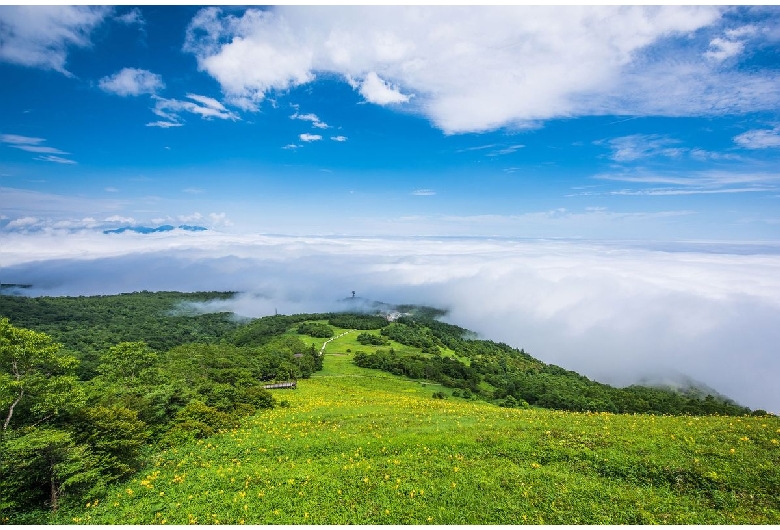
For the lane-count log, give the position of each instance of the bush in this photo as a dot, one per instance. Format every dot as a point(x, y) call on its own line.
point(369, 338)
point(316, 329)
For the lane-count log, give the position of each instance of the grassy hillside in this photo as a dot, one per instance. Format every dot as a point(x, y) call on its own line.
point(362, 446)
point(396, 423)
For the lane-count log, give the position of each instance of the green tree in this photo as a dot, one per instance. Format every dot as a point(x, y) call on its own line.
point(126, 360)
point(34, 377)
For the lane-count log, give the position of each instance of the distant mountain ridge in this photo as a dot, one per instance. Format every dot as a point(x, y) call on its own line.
point(148, 230)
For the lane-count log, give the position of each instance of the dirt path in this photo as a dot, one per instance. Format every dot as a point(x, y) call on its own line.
point(322, 350)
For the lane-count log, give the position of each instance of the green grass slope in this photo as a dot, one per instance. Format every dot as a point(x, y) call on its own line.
point(365, 447)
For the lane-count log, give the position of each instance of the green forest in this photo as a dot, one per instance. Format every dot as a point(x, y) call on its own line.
point(95, 390)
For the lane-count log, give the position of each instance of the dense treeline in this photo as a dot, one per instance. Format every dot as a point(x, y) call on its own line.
point(88, 325)
point(516, 378)
point(356, 321)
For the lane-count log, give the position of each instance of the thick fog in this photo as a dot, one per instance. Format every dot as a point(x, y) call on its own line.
point(614, 312)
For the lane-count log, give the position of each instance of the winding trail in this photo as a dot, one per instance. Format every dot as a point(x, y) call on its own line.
point(322, 350)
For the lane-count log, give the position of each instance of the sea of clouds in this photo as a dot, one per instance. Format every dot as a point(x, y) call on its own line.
point(616, 312)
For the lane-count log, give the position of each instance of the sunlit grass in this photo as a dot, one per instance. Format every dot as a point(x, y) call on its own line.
point(363, 446)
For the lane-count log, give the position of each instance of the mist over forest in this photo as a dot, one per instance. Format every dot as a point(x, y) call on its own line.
point(616, 312)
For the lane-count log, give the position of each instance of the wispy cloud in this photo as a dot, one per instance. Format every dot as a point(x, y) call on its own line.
point(506, 150)
point(306, 137)
point(132, 82)
point(192, 190)
point(636, 146)
point(55, 159)
point(759, 138)
point(691, 183)
point(204, 106)
point(164, 124)
point(30, 144)
point(315, 121)
point(131, 17)
point(339, 138)
point(476, 148)
point(291, 146)
point(423, 192)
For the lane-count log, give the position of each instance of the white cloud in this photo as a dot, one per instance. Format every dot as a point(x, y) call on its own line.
point(133, 16)
point(208, 102)
point(306, 137)
point(164, 124)
point(480, 68)
point(722, 48)
point(636, 146)
point(55, 159)
point(39, 36)
point(119, 219)
point(759, 138)
point(339, 138)
point(378, 91)
point(220, 219)
point(192, 191)
point(23, 222)
point(30, 144)
point(315, 121)
point(423, 192)
point(291, 146)
point(111, 189)
point(692, 183)
point(189, 218)
point(206, 108)
point(132, 82)
point(506, 150)
point(614, 312)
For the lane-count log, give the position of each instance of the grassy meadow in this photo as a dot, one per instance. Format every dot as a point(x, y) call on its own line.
point(360, 446)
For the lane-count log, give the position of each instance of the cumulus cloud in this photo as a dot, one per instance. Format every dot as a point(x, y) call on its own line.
point(615, 312)
point(339, 138)
point(40, 36)
point(120, 219)
point(481, 68)
point(306, 137)
point(759, 138)
point(220, 219)
point(378, 91)
point(132, 82)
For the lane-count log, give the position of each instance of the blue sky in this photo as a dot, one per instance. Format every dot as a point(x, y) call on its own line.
point(625, 123)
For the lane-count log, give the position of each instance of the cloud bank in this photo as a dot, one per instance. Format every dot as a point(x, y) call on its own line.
point(615, 312)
